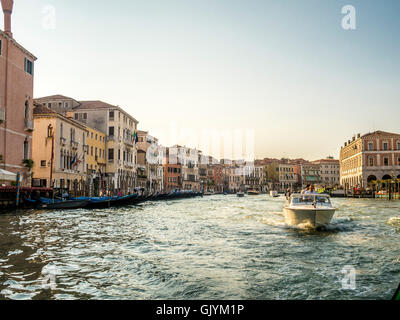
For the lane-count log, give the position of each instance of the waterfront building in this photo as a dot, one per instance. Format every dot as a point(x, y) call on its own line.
point(368, 158)
point(329, 172)
point(287, 177)
point(189, 158)
point(172, 170)
point(218, 178)
point(16, 100)
point(149, 167)
point(310, 174)
point(203, 165)
point(59, 151)
point(95, 161)
point(120, 129)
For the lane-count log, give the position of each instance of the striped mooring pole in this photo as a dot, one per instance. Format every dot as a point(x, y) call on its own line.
point(18, 185)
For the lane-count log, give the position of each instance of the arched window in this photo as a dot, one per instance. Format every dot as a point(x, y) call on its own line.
point(26, 149)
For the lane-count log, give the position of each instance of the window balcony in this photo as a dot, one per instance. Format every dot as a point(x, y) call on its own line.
point(85, 148)
point(28, 125)
point(129, 142)
point(110, 138)
point(74, 145)
point(63, 141)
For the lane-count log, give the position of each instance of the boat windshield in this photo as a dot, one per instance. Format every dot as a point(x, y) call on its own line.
point(310, 198)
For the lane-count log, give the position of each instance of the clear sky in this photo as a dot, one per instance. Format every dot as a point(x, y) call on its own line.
point(284, 68)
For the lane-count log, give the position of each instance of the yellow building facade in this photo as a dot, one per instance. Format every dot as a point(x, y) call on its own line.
point(59, 152)
point(95, 160)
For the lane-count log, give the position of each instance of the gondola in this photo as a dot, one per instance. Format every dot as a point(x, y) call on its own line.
point(59, 204)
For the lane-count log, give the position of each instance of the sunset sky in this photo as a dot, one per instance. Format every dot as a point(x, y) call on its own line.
point(283, 68)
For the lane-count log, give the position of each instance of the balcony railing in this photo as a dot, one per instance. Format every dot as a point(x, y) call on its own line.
point(110, 138)
point(28, 125)
point(128, 142)
point(74, 144)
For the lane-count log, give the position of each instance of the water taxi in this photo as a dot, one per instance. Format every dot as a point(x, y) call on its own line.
point(274, 194)
point(309, 210)
point(253, 193)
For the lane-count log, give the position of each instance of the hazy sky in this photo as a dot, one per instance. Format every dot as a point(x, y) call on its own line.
point(284, 68)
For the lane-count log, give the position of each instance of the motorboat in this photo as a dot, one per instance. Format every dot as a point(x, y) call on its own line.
point(309, 210)
point(274, 193)
point(240, 194)
point(253, 193)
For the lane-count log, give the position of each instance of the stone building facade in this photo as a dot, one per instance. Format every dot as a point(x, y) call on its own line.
point(371, 157)
point(16, 100)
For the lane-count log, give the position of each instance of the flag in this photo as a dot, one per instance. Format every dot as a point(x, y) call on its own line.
point(73, 161)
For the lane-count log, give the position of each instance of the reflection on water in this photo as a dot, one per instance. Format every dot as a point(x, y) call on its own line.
point(219, 247)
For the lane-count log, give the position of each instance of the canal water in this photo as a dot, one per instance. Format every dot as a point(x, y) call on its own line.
point(217, 247)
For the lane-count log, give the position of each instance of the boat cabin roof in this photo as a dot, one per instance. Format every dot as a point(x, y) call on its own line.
point(307, 198)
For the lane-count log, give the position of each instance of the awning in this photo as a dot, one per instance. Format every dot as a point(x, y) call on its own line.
point(7, 175)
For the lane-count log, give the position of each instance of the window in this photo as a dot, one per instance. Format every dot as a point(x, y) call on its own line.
point(111, 115)
point(26, 110)
point(85, 116)
point(370, 146)
point(398, 145)
point(26, 149)
point(76, 116)
point(385, 146)
point(28, 66)
point(385, 161)
point(1, 46)
point(43, 163)
point(91, 151)
point(110, 154)
point(111, 131)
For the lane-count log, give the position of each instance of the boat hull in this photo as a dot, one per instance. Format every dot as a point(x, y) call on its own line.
point(65, 205)
point(313, 218)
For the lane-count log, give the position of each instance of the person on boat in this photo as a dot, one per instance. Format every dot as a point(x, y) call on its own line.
point(307, 190)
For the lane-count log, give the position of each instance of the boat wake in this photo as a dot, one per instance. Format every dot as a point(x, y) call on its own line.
point(394, 222)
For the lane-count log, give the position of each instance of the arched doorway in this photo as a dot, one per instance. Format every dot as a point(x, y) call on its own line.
point(387, 177)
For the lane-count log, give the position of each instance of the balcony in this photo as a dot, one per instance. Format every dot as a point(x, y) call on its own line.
point(110, 138)
point(2, 115)
point(85, 148)
point(74, 145)
point(129, 142)
point(63, 141)
point(28, 125)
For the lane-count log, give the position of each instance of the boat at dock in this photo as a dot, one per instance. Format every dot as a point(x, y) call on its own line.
point(274, 194)
point(55, 204)
point(253, 193)
point(240, 194)
point(309, 210)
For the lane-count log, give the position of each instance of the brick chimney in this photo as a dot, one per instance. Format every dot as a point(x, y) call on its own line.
point(7, 10)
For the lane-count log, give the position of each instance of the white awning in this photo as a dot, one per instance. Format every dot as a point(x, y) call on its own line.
point(7, 175)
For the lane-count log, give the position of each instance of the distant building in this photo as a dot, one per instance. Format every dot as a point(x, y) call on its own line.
point(371, 157)
point(329, 172)
point(149, 161)
point(16, 100)
point(172, 170)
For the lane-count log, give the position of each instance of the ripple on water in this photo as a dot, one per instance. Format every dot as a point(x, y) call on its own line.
point(218, 247)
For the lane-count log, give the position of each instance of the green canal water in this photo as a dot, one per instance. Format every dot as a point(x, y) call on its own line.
point(218, 247)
